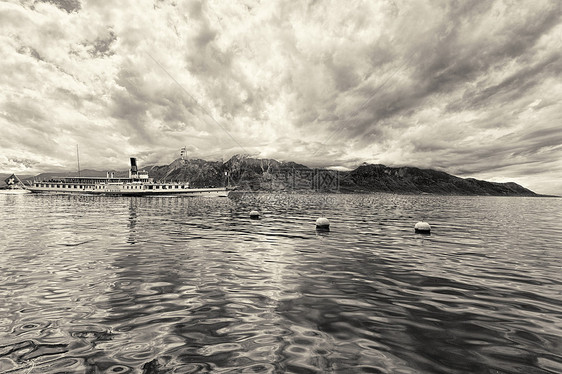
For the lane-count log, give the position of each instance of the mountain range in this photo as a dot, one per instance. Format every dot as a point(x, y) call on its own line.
point(248, 173)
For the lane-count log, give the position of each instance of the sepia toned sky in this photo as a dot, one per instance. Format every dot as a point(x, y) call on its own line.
point(472, 88)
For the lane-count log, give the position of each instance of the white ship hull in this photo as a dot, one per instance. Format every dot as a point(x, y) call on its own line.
point(131, 190)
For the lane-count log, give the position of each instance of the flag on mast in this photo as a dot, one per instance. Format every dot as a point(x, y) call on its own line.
point(11, 180)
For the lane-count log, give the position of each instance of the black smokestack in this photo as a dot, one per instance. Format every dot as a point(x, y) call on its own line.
point(134, 165)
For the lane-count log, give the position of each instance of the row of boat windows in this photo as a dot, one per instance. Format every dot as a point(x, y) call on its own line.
point(63, 186)
point(150, 187)
point(165, 187)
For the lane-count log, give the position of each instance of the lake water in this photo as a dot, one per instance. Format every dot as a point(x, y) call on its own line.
point(93, 284)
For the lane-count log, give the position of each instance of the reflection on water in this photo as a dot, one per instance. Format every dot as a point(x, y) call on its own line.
point(192, 285)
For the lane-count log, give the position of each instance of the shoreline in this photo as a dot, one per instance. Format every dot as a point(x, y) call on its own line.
point(363, 192)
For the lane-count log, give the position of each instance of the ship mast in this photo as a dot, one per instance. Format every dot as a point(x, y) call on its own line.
point(78, 160)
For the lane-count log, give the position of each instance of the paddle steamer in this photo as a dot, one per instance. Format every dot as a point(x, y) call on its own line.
point(137, 184)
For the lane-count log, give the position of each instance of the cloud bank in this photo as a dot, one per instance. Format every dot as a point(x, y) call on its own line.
point(471, 88)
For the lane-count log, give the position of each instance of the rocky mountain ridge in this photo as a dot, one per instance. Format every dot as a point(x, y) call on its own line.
point(382, 178)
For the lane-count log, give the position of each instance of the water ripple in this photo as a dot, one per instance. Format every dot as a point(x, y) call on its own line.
point(193, 285)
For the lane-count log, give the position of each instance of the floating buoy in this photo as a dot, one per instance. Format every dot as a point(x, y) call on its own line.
point(422, 228)
point(254, 214)
point(322, 224)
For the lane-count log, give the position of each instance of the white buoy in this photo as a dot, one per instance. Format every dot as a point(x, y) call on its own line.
point(322, 224)
point(422, 227)
point(254, 214)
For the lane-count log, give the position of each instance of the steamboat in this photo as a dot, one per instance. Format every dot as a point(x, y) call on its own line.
point(137, 184)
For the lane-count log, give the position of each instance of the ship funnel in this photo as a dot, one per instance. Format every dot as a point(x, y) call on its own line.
point(134, 168)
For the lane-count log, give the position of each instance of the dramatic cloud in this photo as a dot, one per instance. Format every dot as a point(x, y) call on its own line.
point(472, 88)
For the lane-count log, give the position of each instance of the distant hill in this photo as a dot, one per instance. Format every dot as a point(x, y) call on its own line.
point(257, 173)
point(248, 173)
point(199, 173)
point(370, 178)
point(264, 175)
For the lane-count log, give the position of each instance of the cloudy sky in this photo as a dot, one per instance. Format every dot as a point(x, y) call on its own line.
point(472, 88)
